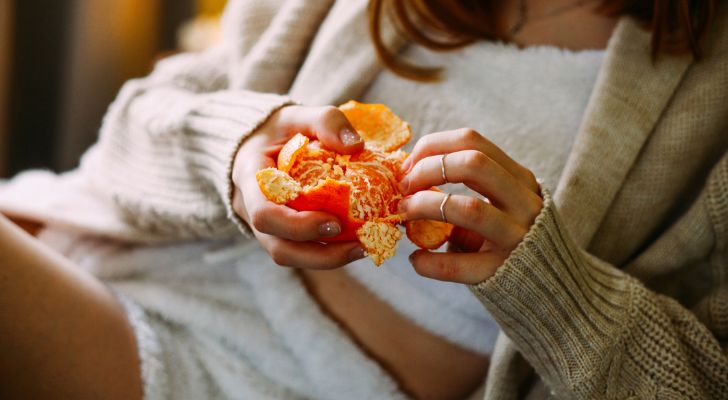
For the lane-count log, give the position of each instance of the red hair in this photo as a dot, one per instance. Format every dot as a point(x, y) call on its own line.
point(676, 26)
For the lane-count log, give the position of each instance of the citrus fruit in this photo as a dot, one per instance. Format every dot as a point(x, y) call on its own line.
point(359, 189)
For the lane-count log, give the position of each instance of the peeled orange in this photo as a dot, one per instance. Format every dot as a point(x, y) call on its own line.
point(359, 189)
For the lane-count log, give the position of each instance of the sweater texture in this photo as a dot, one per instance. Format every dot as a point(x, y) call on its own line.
point(529, 102)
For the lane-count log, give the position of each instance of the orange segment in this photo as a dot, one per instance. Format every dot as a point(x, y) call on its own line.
point(377, 125)
point(331, 196)
point(428, 234)
point(277, 186)
point(289, 152)
point(379, 240)
point(359, 189)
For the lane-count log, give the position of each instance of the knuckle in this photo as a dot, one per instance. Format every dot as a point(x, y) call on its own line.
point(423, 145)
point(446, 270)
point(293, 229)
point(469, 136)
point(529, 177)
point(417, 170)
point(475, 161)
point(259, 220)
point(278, 254)
point(329, 113)
point(426, 141)
point(415, 203)
point(473, 209)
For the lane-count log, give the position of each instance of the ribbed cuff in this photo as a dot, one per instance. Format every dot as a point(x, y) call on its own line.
point(217, 129)
point(560, 306)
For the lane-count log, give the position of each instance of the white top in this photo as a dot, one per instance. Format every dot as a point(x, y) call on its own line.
point(530, 103)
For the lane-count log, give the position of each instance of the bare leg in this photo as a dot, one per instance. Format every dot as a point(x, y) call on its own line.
point(62, 333)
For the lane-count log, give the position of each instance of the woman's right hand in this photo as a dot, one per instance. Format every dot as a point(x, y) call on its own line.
point(290, 236)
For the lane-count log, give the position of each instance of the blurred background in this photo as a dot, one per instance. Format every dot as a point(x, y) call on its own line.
point(63, 61)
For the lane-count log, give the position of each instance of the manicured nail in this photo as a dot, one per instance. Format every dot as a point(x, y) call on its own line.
point(405, 165)
point(349, 137)
point(404, 185)
point(329, 229)
point(357, 253)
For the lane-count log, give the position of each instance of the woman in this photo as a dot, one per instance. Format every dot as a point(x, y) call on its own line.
point(613, 288)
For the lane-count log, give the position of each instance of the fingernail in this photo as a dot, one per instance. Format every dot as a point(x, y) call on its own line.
point(402, 206)
point(357, 253)
point(404, 185)
point(329, 229)
point(349, 137)
point(404, 168)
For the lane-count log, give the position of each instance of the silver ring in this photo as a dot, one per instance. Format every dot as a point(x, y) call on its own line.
point(442, 207)
point(442, 168)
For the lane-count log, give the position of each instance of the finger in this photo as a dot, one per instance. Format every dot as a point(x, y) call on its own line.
point(285, 222)
point(465, 240)
point(310, 255)
point(480, 173)
point(467, 268)
point(468, 139)
point(276, 219)
point(253, 159)
point(467, 212)
point(327, 124)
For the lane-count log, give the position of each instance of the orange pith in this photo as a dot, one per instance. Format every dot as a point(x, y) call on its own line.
point(359, 189)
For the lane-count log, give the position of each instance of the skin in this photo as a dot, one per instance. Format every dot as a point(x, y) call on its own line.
point(485, 233)
point(65, 336)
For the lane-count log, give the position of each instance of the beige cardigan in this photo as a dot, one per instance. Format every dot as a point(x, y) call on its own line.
point(619, 289)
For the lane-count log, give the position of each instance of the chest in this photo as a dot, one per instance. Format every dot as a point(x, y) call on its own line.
point(528, 102)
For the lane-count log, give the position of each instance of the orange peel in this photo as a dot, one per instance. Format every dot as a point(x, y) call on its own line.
point(377, 125)
point(360, 189)
point(287, 155)
point(428, 234)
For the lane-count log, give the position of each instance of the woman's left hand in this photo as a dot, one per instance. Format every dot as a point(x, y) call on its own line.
point(486, 230)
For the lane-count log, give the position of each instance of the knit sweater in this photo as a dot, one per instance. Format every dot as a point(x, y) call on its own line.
point(617, 291)
point(515, 97)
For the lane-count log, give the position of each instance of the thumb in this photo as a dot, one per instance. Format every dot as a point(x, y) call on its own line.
point(335, 132)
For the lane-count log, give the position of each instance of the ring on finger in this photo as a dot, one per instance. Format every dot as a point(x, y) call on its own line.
point(442, 207)
point(442, 168)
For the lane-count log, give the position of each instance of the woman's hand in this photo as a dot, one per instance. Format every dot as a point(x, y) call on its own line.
point(288, 235)
point(486, 230)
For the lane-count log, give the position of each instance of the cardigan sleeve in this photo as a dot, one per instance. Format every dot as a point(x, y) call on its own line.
point(167, 145)
point(592, 331)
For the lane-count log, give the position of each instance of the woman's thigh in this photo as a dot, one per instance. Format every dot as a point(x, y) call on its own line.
point(62, 332)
